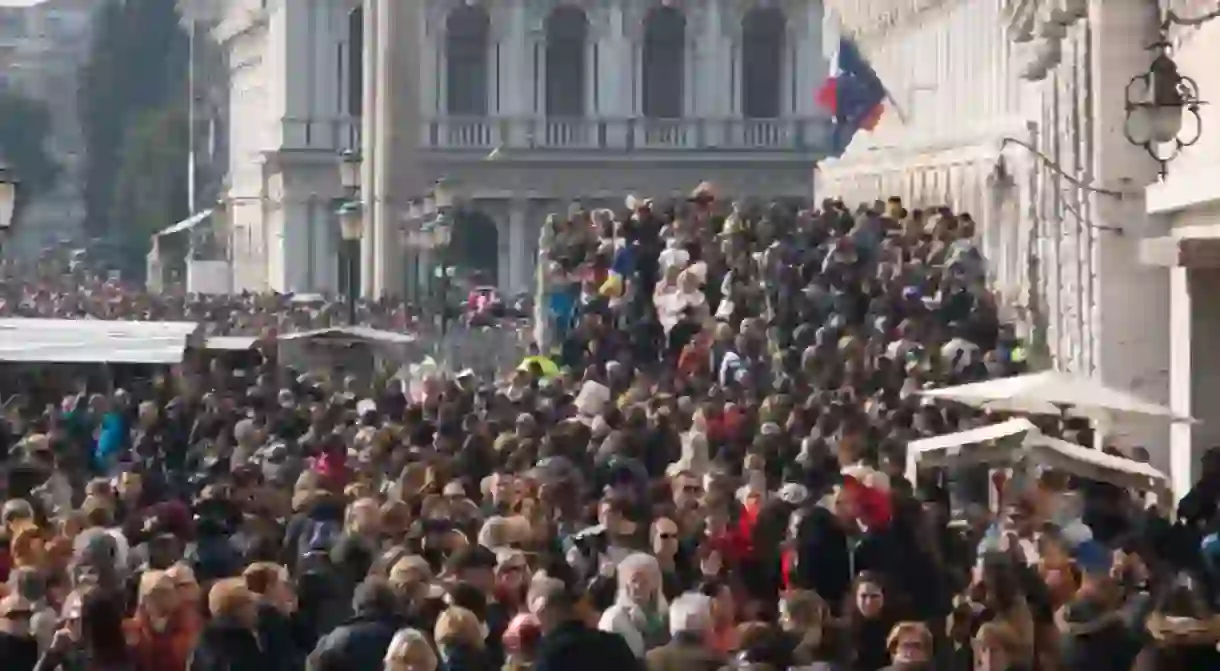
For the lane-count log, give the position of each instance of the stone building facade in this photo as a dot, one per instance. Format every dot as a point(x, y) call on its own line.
point(1014, 111)
point(523, 106)
point(1184, 209)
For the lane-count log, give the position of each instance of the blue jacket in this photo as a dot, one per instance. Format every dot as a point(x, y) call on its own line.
point(112, 440)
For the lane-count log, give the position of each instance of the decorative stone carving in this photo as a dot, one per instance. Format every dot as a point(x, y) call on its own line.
point(869, 20)
point(537, 12)
point(436, 13)
point(794, 11)
point(636, 12)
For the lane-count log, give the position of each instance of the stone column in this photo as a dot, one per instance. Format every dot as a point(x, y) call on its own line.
point(615, 79)
point(370, 143)
point(1181, 435)
point(811, 64)
point(397, 171)
point(520, 265)
point(1131, 346)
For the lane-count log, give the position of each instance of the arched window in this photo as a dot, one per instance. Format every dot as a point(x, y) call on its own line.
point(467, 32)
point(762, 63)
point(664, 63)
point(566, 32)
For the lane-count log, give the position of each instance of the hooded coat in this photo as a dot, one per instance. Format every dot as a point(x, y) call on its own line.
point(1180, 644)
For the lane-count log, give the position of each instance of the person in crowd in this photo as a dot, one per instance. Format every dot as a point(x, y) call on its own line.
point(361, 642)
point(691, 629)
point(1182, 631)
point(521, 640)
point(805, 618)
point(18, 646)
point(410, 651)
point(997, 648)
point(1092, 634)
point(230, 639)
point(639, 610)
point(869, 618)
point(162, 635)
point(568, 642)
point(460, 641)
point(910, 647)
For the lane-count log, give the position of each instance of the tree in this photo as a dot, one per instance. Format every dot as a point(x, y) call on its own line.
point(137, 62)
point(25, 125)
point(151, 179)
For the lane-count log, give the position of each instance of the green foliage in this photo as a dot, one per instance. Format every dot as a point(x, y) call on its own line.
point(25, 126)
point(137, 65)
point(151, 177)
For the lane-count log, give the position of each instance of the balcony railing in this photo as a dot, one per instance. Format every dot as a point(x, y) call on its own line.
point(322, 134)
point(559, 133)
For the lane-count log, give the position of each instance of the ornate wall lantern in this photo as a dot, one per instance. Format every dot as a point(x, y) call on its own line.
point(1158, 102)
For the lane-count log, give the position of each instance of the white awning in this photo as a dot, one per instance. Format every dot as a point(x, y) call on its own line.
point(230, 343)
point(349, 333)
point(186, 224)
point(94, 341)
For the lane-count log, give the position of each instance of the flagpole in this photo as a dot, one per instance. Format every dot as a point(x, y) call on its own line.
point(897, 108)
point(836, 22)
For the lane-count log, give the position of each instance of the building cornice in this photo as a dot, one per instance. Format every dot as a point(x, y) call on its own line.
point(867, 21)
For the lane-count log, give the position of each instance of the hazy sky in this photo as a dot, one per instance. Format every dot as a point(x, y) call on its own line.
point(18, 3)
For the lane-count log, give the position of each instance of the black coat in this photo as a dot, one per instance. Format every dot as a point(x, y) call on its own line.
point(226, 645)
point(575, 646)
point(361, 642)
point(278, 636)
point(20, 653)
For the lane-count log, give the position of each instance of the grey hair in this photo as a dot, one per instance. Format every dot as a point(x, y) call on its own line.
point(691, 613)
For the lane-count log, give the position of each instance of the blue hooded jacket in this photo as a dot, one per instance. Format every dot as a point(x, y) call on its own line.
point(111, 440)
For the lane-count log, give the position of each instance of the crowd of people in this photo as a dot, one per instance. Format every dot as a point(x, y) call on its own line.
point(48, 290)
point(702, 467)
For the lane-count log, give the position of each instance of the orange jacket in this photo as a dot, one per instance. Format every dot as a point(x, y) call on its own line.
point(169, 650)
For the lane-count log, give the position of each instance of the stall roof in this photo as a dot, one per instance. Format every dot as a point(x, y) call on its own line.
point(230, 343)
point(1038, 448)
point(354, 333)
point(94, 341)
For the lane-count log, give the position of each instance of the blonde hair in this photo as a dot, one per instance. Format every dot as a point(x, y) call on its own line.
point(908, 628)
point(412, 647)
point(807, 608)
point(260, 577)
point(227, 596)
point(153, 580)
point(457, 625)
point(999, 635)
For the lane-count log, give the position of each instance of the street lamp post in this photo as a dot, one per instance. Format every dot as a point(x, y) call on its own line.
point(441, 200)
point(349, 171)
point(351, 227)
point(8, 199)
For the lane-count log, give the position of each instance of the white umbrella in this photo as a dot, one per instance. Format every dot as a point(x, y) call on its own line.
point(1052, 393)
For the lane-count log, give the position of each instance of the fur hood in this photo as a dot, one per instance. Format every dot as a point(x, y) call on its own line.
point(1183, 631)
point(1085, 617)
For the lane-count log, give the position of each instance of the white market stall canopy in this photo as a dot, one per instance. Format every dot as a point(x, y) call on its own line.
point(230, 343)
point(95, 341)
point(1052, 393)
point(350, 335)
point(1018, 441)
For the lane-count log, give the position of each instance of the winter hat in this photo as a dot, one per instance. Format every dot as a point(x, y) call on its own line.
point(1093, 558)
